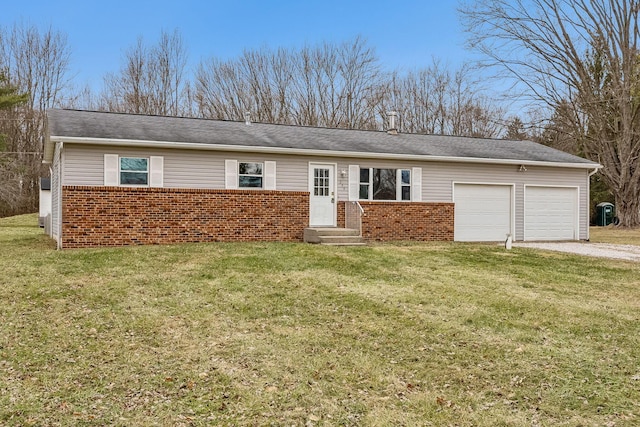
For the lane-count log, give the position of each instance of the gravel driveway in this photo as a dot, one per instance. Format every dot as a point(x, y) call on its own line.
point(601, 250)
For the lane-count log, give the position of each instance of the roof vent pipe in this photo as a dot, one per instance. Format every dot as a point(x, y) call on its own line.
point(391, 118)
point(247, 118)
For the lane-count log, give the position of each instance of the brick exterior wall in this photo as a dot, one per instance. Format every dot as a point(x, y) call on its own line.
point(120, 216)
point(388, 221)
point(340, 215)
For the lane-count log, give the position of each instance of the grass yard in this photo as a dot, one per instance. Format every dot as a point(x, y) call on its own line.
point(615, 235)
point(295, 334)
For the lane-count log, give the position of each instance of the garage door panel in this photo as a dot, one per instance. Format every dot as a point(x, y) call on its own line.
point(550, 213)
point(483, 213)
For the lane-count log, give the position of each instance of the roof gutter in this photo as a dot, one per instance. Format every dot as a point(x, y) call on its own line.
point(300, 151)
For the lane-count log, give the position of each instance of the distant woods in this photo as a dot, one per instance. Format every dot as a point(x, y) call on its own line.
point(332, 85)
point(34, 70)
point(342, 85)
point(329, 84)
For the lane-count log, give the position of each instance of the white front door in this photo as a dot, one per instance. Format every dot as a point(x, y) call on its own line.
point(322, 196)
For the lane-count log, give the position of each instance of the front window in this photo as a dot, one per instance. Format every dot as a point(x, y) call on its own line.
point(134, 171)
point(405, 184)
point(250, 175)
point(385, 184)
point(365, 184)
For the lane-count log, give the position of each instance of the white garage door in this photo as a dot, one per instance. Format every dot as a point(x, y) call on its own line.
point(550, 213)
point(483, 213)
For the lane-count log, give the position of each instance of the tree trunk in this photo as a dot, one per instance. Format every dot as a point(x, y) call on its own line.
point(581, 56)
point(628, 207)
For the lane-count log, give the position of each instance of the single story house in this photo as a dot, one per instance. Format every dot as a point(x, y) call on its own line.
point(125, 179)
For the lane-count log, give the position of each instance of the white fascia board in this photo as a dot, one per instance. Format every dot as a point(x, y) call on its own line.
point(308, 152)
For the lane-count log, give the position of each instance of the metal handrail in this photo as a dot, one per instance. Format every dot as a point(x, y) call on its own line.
point(352, 215)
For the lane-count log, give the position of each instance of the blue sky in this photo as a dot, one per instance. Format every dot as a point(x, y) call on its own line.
point(405, 34)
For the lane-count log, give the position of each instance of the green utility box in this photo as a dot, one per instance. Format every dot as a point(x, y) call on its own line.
point(605, 213)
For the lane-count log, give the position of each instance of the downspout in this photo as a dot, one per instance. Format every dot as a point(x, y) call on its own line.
point(60, 201)
point(593, 172)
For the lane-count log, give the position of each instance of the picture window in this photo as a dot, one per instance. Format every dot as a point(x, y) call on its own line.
point(385, 184)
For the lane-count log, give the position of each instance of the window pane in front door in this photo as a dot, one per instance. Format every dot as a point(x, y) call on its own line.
point(320, 182)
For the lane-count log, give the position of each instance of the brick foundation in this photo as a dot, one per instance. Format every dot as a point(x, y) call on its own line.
point(120, 216)
point(388, 221)
point(341, 215)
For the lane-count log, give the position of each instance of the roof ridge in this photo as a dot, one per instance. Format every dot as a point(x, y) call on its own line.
point(119, 126)
point(377, 131)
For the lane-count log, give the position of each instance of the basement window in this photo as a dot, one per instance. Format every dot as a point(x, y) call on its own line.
point(385, 184)
point(250, 175)
point(134, 171)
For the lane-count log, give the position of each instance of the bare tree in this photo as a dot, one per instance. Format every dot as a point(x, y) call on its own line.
point(82, 98)
point(559, 131)
point(327, 85)
point(341, 85)
point(130, 91)
point(151, 80)
point(470, 113)
point(315, 91)
point(582, 55)
point(436, 100)
point(359, 79)
point(37, 63)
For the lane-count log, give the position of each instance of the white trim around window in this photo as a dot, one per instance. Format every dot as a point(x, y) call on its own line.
point(250, 175)
point(133, 171)
point(270, 175)
point(416, 184)
point(156, 171)
point(354, 182)
point(379, 184)
point(111, 170)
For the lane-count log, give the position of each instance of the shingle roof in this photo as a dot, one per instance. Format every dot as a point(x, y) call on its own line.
point(132, 127)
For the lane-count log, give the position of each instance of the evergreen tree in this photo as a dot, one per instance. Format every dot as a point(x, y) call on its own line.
point(516, 130)
point(9, 95)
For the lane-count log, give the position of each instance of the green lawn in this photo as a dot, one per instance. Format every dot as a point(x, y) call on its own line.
point(295, 334)
point(616, 235)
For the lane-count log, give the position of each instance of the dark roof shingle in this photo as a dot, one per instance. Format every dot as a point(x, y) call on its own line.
point(102, 125)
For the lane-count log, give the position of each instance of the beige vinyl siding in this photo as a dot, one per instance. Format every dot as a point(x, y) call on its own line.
point(205, 169)
point(186, 168)
point(56, 192)
point(84, 165)
point(438, 179)
point(191, 169)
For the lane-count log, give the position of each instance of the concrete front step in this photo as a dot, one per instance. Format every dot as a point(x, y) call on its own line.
point(333, 236)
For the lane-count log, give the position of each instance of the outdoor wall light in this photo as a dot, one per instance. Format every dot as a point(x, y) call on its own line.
point(343, 173)
point(522, 168)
